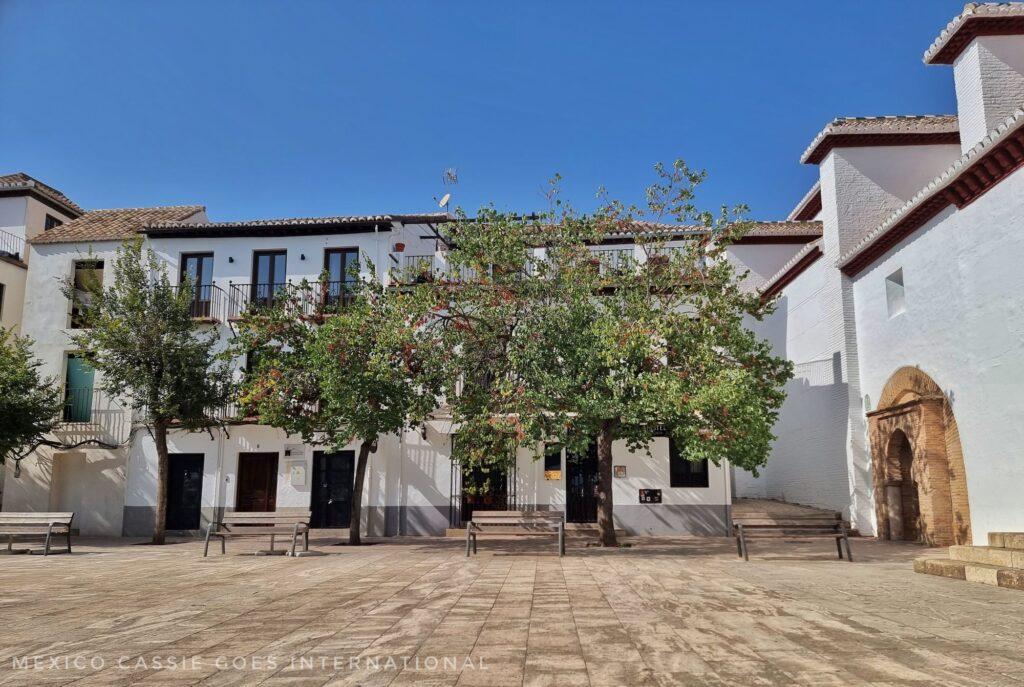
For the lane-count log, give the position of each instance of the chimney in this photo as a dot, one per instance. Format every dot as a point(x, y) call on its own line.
point(985, 45)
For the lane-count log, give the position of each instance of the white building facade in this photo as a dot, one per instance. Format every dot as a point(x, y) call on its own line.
point(413, 488)
point(906, 322)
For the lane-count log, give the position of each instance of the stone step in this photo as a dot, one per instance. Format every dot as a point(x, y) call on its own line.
point(988, 555)
point(1007, 540)
point(1009, 578)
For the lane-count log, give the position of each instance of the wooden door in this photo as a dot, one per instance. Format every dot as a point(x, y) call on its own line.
point(257, 482)
point(333, 478)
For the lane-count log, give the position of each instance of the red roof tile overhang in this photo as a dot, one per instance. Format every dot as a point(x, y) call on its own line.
point(810, 208)
point(966, 188)
point(973, 28)
point(792, 273)
point(831, 141)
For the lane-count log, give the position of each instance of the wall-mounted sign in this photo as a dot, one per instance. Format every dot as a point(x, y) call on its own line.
point(620, 471)
point(650, 496)
point(552, 475)
point(297, 473)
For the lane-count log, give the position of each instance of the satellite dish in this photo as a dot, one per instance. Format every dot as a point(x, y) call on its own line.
point(444, 199)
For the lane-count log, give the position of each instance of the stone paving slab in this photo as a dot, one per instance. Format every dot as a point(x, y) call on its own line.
point(668, 611)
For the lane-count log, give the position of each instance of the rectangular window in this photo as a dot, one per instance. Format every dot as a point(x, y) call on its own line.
point(268, 276)
point(2, 289)
point(50, 222)
point(895, 295)
point(552, 457)
point(341, 266)
point(197, 270)
point(88, 280)
point(686, 473)
point(78, 390)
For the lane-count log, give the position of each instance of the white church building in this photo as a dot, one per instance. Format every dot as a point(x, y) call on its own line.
point(898, 302)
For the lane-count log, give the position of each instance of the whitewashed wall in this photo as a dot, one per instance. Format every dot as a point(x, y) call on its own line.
point(964, 327)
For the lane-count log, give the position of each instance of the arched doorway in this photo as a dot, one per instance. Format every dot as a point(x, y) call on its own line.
point(919, 480)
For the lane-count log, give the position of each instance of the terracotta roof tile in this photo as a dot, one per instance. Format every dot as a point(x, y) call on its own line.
point(977, 19)
point(20, 180)
point(114, 225)
point(180, 228)
point(884, 130)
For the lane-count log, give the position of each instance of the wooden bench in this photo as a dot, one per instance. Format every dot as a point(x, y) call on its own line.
point(762, 526)
point(36, 526)
point(273, 525)
point(516, 523)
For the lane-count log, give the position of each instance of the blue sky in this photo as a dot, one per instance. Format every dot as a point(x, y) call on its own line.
point(277, 109)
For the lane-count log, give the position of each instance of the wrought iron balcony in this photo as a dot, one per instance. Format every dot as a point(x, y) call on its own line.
point(312, 299)
point(208, 303)
point(12, 246)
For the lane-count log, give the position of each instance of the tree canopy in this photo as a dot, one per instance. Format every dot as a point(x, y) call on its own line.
point(140, 333)
point(558, 335)
point(30, 404)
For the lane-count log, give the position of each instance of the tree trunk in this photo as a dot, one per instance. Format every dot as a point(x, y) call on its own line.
point(160, 522)
point(605, 520)
point(365, 449)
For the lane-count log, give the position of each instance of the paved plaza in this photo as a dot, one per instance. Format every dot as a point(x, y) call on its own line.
point(417, 611)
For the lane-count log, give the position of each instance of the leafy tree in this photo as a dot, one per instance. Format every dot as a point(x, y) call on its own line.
point(142, 337)
point(342, 368)
point(552, 342)
point(30, 404)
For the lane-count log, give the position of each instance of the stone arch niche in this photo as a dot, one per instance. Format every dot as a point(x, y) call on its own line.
point(917, 463)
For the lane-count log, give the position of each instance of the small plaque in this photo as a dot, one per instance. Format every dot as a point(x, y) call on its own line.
point(620, 471)
point(297, 473)
point(650, 496)
point(552, 475)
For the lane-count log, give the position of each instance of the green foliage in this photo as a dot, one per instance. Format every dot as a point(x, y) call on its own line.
point(30, 404)
point(552, 342)
point(343, 373)
point(150, 351)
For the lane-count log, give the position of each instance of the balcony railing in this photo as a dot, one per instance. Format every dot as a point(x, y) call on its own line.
point(12, 246)
point(208, 302)
point(314, 298)
point(611, 260)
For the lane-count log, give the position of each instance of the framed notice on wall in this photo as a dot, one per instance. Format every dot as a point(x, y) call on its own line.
point(297, 473)
point(620, 471)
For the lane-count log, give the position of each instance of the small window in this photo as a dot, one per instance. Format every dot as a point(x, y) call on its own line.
point(50, 222)
point(686, 473)
point(2, 289)
point(895, 295)
point(88, 280)
point(552, 457)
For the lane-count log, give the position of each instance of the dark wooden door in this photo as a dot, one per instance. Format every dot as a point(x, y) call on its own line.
point(257, 482)
point(581, 486)
point(184, 490)
point(331, 500)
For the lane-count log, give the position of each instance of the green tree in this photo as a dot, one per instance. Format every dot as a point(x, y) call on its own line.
point(30, 404)
point(349, 367)
point(555, 342)
point(152, 354)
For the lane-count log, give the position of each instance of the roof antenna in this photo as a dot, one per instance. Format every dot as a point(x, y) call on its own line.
point(449, 177)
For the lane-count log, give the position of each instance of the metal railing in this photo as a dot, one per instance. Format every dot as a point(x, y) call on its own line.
point(208, 302)
point(88, 405)
point(12, 246)
point(611, 260)
point(312, 298)
point(420, 268)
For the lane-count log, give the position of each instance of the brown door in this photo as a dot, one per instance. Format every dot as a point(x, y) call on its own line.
point(257, 482)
